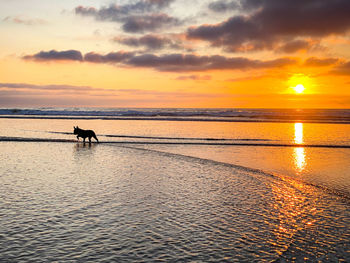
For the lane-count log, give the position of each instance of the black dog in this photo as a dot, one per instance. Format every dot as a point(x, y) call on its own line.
point(85, 133)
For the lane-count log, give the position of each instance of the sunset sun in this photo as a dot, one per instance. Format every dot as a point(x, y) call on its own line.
point(299, 88)
point(300, 84)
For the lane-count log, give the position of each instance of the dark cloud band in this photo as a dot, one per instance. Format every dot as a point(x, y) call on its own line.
point(150, 42)
point(263, 24)
point(74, 55)
point(138, 17)
point(169, 62)
point(113, 57)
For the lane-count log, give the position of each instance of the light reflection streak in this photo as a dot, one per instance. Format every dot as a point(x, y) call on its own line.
point(299, 155)
point(292, 209)
point(299, 159)
point(298, 133)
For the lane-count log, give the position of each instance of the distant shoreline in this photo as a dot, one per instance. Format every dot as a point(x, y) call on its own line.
point(221, 119)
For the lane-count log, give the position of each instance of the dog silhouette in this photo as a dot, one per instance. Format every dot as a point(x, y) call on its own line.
point(84, 134)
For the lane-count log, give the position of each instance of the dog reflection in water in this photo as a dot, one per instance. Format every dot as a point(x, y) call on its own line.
point(85, 134)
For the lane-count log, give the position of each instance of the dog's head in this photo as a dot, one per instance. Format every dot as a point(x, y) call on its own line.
point(76, 129)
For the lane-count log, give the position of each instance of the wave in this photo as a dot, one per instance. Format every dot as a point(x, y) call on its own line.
point(248, 143)
point(182, 138)
point(162, 138)
point(24, 139)
point(176, 114)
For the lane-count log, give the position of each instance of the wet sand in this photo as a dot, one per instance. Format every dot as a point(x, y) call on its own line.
point(100, 202)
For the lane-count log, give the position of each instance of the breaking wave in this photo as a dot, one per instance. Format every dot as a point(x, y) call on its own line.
point(246, 115)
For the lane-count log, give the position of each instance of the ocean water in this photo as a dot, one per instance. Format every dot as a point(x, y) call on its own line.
point(207, 187)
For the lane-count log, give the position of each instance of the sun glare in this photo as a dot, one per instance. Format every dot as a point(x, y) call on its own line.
point(299, 88)
point(299, 83)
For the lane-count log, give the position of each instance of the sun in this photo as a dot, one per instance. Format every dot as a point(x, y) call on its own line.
point(299, 88)
point(299, 84)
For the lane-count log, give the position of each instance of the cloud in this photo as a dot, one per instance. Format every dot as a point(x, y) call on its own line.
point(25, 94)
point(113, 57)
point(56, 55)
point(25, 21)
point(151, 22)
point(223, 6)
point(137, 17)
point(48, 88)
point(183, 63)
point(248, 78)
point(169, 62)
point(320, 62)
point(342, 69)
point(150, 42)
point(265, 24)
point(294, 45)
point(194, 77)
point(116, 12)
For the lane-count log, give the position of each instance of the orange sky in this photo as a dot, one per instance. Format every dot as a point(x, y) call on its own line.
point(172, 53)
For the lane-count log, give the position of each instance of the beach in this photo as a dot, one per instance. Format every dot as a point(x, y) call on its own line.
point(174, 131)
point(165, 190)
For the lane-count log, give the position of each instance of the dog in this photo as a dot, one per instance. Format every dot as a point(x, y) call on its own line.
point(84, 133)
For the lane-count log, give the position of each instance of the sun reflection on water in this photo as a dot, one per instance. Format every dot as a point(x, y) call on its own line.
point(299, 155)
point(298, 133)
point(299, 159)
point(294, 212)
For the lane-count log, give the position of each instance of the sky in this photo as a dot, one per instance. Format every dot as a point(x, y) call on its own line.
point(175, 53)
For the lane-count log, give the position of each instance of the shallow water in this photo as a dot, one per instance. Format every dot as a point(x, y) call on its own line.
point(199, 197)
point(102, 203)
point(284, 133)
point(324, 167)
point(272, 147)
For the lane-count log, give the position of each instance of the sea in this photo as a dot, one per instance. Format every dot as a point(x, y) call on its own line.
point(175, 185)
